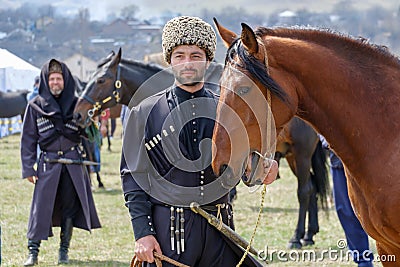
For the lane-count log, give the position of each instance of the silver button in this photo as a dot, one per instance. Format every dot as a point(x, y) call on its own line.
point(194, 113)
point(201, 194)
point(202, 176)
point(194, 131)
point(194, 122)
point(194, 140)
point(201, 188)
point(148, 217)
point(202, 172)
point(192, 96)
point(201, 182)
point(193, 105)
point(151, 229)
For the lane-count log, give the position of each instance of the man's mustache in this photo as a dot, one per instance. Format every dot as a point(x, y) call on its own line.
point(194, 70)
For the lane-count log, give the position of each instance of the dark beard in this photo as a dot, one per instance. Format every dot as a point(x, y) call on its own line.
point(187, 82)
point(191, 84)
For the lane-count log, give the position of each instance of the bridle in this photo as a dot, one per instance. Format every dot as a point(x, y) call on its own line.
point(269, 116)
point(263, 157)
point(98, 105)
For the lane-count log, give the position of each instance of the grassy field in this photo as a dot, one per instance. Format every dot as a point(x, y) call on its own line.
point(113, 244)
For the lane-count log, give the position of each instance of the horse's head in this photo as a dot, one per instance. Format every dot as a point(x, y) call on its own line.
point(248, 94)
point(101, 92)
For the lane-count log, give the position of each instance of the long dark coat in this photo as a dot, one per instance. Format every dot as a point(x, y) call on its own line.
point(48, 122)
point(151, 216)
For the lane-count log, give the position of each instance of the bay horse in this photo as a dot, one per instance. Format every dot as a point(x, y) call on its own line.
point(13, 103)
point(346, 88)
point(299, 144)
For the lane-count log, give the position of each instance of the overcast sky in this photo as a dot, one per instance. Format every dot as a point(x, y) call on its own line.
point(99, 9)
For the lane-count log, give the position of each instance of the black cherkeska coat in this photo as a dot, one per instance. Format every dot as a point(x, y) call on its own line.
point(48, 122)
point(204, 245)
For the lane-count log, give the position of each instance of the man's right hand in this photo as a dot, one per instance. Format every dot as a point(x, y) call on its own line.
point(32, 179)
point(144, 248)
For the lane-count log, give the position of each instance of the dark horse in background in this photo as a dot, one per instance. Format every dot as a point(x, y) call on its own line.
point(13, 103)
point(89, 146)
point(115, 111)
point(347, 89)
point(299, 144)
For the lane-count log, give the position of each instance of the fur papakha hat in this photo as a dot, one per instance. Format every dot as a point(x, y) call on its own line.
point(55, 67)
point(186, 30)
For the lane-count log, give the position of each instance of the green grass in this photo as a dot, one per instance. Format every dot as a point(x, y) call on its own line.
point(113, 244)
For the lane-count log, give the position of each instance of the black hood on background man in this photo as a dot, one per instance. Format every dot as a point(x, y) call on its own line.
point(46, 103)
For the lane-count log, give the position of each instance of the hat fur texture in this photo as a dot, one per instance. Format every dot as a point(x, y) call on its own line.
point(187, 30)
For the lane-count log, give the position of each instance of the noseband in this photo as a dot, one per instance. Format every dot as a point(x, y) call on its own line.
point(98, 105)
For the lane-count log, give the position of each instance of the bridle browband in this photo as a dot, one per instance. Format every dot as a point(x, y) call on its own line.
point(98, 105)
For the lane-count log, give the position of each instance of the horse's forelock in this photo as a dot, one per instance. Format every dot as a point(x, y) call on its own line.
point(255, 67)
point(231, 52)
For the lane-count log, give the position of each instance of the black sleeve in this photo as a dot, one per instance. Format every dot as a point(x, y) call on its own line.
point(29, 141)
point(138, 203)
point(140, 211)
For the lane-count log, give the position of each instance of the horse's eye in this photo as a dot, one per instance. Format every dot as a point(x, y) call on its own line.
point(100, 80)
point(243, 90)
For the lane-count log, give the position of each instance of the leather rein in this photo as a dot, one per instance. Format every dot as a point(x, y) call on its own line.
point(98, 105)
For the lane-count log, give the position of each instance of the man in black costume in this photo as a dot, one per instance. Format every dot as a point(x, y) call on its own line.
point(62, 194)
point(156, 171)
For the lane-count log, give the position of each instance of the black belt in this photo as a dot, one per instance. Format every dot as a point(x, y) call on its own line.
point(61, 152)
point(214, 207)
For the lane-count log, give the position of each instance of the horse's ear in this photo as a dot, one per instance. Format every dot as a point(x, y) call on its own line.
point(249, 39)
point(227, 36)
point(117, 59)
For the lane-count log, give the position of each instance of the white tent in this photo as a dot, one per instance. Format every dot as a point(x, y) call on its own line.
point(15, 73)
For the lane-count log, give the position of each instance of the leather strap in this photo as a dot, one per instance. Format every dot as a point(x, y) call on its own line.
point(157, 258)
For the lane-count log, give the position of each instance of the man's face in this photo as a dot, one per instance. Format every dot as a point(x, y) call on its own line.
point(56, 84)
point(189, 64)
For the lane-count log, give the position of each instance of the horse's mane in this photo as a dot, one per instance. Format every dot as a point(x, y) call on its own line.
point(325, 37)
point(103, 61)
point(331, 38)
point(151, 66)
point(16, 92)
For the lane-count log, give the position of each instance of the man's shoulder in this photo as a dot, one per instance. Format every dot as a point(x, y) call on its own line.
point(147, 103)
point(152, 99)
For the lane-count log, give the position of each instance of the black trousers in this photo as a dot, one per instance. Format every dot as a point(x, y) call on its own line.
point(204, 245)
point(67, 199)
